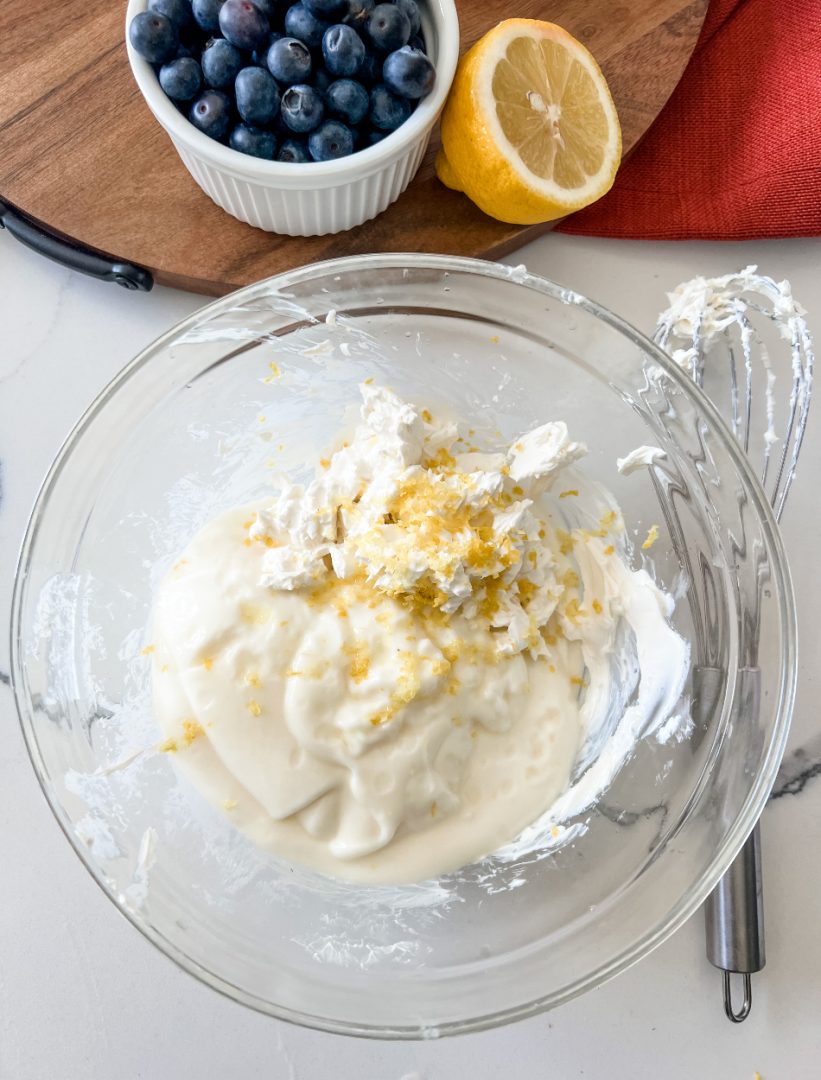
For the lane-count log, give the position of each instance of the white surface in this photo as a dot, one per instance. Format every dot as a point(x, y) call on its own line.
point(82, 995)
point(317, 198)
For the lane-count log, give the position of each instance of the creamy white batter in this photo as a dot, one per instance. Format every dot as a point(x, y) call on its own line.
point(390, 673)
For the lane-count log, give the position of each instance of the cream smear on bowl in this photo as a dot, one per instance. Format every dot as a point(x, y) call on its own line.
point(394, 671)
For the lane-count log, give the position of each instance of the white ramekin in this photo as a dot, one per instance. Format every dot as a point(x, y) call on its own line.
point(322, 197)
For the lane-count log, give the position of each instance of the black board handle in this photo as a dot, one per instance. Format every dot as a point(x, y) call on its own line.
point(71, 255)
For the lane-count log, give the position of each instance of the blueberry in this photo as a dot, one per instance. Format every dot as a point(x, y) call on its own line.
point(221, 63)
point(348, 100)
point(373, 137)
point(178, 11)
point(153, 36)
point(293, 151)
point(207, 14)
point(302, 108)
point(418, 42)
point(371, 70)
point(408, 73)
point(289, 61)
point(358, 13)
point(411, 9)
point(388, 27)
point(303, 24)
point(322, 80)
point(181, 79)
point(388, 111)
point(243, 24)
point(211, 113)
point(331, 140)
point(253, 141)
point(182, 52)
point(257, 96)
point(343, 50)
point(325, 9)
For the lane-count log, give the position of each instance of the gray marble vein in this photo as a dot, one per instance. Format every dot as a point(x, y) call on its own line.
point(798, 769)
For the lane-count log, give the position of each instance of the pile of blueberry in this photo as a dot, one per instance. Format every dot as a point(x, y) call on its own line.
point(309, 81)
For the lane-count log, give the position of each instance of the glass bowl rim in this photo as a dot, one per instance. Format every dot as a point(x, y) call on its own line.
point(782, 709)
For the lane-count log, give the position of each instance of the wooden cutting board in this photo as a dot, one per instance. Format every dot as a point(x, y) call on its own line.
point(81, 154)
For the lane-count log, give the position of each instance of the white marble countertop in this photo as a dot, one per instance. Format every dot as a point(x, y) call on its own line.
point(83, 995)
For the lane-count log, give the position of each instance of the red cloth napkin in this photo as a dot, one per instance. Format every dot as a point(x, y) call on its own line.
point(736, 152)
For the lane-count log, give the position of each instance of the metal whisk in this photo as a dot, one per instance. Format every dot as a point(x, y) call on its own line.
point(710, 322)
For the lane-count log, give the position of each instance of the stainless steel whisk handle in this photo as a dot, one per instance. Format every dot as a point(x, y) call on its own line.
point(734, 914)
point(734, 911)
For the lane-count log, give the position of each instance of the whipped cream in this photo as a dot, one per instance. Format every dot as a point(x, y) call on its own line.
point(390, 672)
point(639, 458)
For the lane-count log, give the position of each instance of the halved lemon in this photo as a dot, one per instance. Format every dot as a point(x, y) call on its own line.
point(529, 132)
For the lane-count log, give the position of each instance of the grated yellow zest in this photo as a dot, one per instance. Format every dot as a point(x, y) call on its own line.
point(527, 590)
point(565, 541)
point(168, 747)
point(426, 416)
point(325, 462)
point(494, 340)
point(360, 658)
point(554, 831)
point(609, 549)
point(652, 536)
point(229, 804)
point(576, 681)
point(192, 730)
point(147, 650)
point(207, 663)
point(568, 494)
point(408, 685)
point(254, 708)
point(255, 614)
point(596, 605)
point(573, 612)
point(251, 678)
point(433, 809)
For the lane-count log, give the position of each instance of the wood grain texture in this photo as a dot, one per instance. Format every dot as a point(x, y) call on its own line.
point(81, 153)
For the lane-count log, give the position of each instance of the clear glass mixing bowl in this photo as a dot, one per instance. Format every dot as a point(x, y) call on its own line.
point(189, 428)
